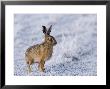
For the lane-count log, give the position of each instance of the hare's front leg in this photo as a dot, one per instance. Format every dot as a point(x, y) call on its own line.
point(41, 66)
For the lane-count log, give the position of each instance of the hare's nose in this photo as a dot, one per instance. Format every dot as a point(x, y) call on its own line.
point(55, 42)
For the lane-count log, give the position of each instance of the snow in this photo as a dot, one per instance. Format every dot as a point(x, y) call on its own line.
point(75, 53)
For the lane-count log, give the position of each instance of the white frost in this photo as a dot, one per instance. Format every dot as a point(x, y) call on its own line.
point(76, 51)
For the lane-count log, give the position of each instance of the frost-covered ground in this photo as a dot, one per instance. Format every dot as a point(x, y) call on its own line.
point(75, 53)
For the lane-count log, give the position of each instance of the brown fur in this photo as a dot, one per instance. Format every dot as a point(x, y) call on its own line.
point(41, 52)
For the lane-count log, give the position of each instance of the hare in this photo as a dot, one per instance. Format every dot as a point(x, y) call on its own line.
point(41, 52)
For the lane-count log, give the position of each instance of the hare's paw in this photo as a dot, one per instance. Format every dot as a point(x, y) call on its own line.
point(41, 69)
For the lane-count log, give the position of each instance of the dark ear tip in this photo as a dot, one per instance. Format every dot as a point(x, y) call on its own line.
point(43, 26)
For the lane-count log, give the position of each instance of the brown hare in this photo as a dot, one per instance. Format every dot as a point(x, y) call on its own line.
point(41, 52)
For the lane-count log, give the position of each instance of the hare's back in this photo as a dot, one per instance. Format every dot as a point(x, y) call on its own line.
point(32, 48)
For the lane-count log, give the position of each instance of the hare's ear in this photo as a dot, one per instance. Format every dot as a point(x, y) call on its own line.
point(49, 30)
point(44, 30)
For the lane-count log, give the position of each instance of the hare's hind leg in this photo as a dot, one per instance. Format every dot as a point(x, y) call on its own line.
point(41, 66)
point(29, 66)
point(29, 62)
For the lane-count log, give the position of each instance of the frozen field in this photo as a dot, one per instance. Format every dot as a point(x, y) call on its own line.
point(75, 53)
